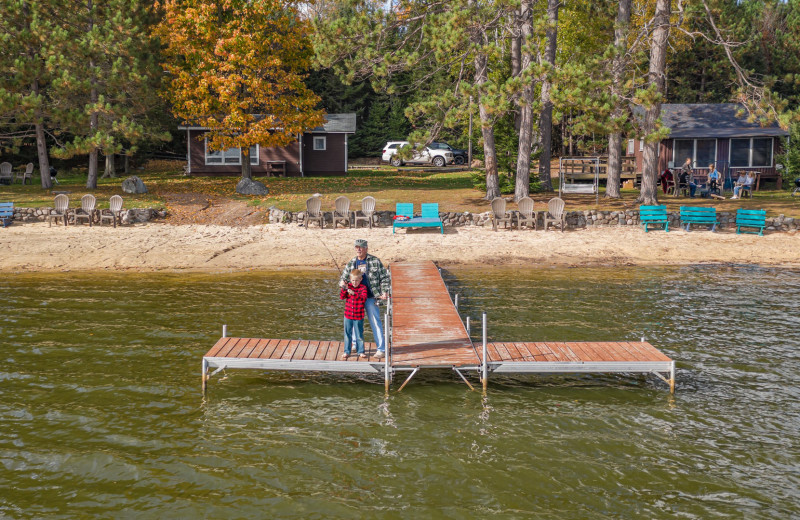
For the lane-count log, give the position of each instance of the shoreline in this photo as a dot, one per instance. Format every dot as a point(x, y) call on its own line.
point(153, 247)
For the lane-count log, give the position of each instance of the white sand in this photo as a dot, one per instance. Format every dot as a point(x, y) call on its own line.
point(153, 247)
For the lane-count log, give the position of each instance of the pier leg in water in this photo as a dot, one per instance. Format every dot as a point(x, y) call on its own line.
point(485, 367)
point(205, 375)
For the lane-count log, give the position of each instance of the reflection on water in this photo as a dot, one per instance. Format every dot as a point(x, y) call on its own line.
point(102, 414)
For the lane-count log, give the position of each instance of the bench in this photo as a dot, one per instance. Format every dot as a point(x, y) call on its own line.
point(751, 218)
point(654, 215)
point(276, 168)
point(693, 215)
point(429, 218)
point(6, 213)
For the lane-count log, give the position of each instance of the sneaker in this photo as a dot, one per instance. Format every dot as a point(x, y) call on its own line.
point(379, 354)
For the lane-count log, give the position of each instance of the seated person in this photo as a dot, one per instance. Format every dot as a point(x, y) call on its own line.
point(748, 181)
point(713, 178)
point(686, 180)
point(666, 179)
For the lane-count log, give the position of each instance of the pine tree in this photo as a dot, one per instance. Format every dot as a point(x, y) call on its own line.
point(25, 107)
point(106, 76)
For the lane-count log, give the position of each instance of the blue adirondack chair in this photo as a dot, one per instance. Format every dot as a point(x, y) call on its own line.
point(429, 218)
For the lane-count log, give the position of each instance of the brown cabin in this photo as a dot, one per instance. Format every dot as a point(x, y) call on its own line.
point(320, 151)
point(715, 133)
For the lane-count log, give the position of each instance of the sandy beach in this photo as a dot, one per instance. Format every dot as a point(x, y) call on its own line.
point(156, 247)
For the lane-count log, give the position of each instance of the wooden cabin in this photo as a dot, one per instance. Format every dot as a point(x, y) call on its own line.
point(319, 151)
point(715, 133)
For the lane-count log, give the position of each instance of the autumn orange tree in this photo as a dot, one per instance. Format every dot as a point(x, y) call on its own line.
point(237, 68)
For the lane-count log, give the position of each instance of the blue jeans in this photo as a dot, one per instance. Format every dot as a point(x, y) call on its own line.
point(692, 188)
point(353, 333)
point(374, 316)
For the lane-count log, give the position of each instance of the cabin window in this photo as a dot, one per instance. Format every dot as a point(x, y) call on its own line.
point(751, 152)
point(641, 145)
point(320, 143)
point(630, 146)
point(702, 152)
point(254, 155)
point(231, 156)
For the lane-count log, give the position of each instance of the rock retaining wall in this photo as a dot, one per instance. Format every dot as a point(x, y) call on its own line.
point(128, 217)
point(575, 219)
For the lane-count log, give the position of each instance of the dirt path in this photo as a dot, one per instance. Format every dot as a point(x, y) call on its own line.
point(194, 208)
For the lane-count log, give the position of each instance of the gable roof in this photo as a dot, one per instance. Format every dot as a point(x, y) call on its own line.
point(713, 120)
point(334, 124)
point(338, 124)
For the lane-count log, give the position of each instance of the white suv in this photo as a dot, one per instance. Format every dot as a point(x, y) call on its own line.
point(437, 158)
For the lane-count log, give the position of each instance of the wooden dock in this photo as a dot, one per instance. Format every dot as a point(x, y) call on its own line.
point(424, 330)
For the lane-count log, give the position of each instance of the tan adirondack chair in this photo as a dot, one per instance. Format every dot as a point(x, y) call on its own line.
point(526, 213)
point(6, 173)
point(367, 210)
point(27, 174)
point(114, 211)
point(341, 211)
point(313, 205)
point(61, 208)
point(499, 213)
point(86, 211)
point(555, 213)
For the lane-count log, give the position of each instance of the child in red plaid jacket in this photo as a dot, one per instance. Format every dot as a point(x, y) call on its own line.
point(354, 295)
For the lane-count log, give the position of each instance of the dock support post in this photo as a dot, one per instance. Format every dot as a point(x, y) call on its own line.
point(204, 375)
point(456, 302)
point(672, 379)
point(224, 331)
point(485, 364)
point(468, 331)
point(387, 377)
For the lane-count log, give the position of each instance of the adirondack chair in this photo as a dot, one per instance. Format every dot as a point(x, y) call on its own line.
point(86, 211)
point(27, 174)
point(555, 213)
point(6, 173)
point(114, 211)
point(61, 210)
point(313, 205)
point(367, 210)
point(526, 213)
point(6, 213)
point(341, 211)
point(499, 213)
point(429, 218)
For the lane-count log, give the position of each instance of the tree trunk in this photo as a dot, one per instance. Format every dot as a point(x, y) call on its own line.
point(111, 167)
point(523, 179)
point(614, 170)
point(127, 163)
point(618, 66)
point(546, 120)
point(487, 130)
point(91, 179)
point(516, 52)
point(658, 58)
point(247, 171)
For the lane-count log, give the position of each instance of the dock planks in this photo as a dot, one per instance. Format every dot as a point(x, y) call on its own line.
point(427, 332)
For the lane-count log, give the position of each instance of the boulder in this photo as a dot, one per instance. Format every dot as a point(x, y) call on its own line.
point(133, 184)
point(251, 187)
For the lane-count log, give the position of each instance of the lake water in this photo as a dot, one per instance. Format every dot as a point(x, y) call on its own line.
point(101, 413)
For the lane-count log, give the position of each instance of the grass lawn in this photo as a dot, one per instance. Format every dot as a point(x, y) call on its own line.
point(452, 190)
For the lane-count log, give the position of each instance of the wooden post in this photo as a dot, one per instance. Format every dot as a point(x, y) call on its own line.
point(204, 375)
point(485, 367)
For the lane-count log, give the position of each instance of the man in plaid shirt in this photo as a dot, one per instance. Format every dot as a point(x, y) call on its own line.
point(354, 294)
point(378, 283)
